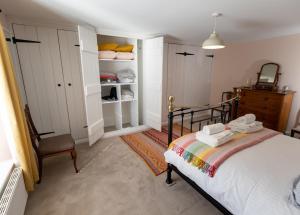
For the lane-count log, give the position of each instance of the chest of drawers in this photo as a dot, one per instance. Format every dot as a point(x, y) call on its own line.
point(271, 108)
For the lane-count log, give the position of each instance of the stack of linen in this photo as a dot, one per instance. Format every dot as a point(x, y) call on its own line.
point(112, 51)
point(214, 135)
point(245, 124)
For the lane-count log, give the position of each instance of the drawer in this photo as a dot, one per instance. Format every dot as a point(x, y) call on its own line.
point(261, 108)
point(261, 101)
point(270, 104)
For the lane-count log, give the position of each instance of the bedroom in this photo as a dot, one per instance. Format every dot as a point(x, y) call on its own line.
point(96, 77)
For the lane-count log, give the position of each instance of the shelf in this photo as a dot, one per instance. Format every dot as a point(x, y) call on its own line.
point(109, 102)
point(128, 100)
point(116, 60)
point(117, 84)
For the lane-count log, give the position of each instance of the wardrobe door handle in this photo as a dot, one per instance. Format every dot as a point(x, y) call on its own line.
point(69, 84)
point(59, 85)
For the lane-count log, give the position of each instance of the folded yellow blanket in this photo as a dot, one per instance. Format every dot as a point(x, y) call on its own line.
point(124, 48)
point(107, 46)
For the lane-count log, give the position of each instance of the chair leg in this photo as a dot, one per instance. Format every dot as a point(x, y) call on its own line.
point(292, 133)
point(40, 161)
point(74, 157)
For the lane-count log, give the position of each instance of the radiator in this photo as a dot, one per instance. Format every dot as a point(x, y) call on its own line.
point(14, 197)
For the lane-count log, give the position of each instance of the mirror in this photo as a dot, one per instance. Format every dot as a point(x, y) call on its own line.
point(268, 73)
point(268, 76)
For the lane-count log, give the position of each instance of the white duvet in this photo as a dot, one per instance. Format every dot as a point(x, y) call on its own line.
point(255, 181)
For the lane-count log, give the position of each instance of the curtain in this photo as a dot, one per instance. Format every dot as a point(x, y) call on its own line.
point(15, 124)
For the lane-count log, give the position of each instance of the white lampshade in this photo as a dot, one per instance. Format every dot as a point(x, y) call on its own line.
point(213, 42)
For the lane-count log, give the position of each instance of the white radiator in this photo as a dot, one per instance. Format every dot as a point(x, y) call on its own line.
point(14, 197)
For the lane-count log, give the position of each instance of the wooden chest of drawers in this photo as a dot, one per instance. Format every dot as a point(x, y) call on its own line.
point(271, 108)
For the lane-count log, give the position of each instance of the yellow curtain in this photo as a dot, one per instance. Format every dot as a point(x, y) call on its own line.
point(15, 114)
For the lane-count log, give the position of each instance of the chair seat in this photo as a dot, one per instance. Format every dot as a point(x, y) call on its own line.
point(56, 144)
point(297, 129)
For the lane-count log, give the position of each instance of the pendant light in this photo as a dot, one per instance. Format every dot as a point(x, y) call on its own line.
point(214, 41)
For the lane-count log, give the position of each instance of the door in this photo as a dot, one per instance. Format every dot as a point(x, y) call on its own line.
point(153, 52)
point(71, 66)
point(91, 82)
point(42, 74)
point(188, 75)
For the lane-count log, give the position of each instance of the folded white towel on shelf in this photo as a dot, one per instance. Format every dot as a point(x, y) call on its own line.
point(107, 55)
point(213, 129)
point(246, 119)
point(125, 55)
point(215, 139)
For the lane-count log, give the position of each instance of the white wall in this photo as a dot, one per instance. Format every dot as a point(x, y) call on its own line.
point(238, 62)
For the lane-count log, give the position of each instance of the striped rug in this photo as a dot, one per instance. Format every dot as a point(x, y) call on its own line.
point(151, 144)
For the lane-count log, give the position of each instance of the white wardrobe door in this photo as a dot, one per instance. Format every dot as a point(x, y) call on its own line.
point(188, 76)
point(91, 82)
point(70, 57)
point(41, 69)
point(153, 53)
point(176, 74)
point(196, 77)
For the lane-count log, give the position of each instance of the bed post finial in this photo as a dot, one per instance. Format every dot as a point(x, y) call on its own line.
point(171, 103)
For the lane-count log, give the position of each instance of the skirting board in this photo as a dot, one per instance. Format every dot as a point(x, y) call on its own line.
point(125, 131)
point(84, 140)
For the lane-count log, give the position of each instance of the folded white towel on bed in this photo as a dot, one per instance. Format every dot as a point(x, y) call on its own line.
point(213, 129)
point(246, 119)
point(215, 139)
point(245, 128)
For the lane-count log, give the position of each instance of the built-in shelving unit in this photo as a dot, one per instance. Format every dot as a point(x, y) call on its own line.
point(121, 113)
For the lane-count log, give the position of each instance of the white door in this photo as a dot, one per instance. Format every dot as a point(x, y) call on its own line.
point(43, 80)
point(188, 75)
point(153, 53)
point(91, 82)
point(70, 58)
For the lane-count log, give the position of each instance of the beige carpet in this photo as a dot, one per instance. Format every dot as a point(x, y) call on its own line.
point(112, 180)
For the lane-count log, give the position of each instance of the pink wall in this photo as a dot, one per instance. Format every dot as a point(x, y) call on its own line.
point(238, 62)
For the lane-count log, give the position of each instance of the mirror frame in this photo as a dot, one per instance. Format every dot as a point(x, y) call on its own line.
point(266, 85)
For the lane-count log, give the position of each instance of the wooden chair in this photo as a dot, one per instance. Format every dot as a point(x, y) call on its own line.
point(225, 109)
point(49, 146)
point(296, 128)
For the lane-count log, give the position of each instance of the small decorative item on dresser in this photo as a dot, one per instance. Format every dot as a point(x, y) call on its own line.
point(285, 88)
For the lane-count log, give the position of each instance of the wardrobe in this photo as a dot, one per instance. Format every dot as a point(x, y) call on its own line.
point(61, 72)
point(51, 71)
point(161, 69)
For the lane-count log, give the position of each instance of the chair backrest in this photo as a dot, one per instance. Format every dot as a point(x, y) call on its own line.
point(33, 137)
point(297, 123)
point(226, 95)
point(30, 121)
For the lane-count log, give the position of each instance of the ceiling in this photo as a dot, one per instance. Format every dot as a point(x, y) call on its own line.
point(186, 20)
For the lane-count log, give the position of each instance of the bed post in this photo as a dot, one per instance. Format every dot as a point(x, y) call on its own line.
point(170, 135)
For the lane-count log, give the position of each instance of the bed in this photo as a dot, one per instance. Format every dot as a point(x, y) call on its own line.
point(256, 180)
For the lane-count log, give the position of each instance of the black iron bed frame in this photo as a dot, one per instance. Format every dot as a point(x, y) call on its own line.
point(181, 112)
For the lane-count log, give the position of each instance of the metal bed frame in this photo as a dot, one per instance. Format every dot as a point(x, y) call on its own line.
point(185, 111)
